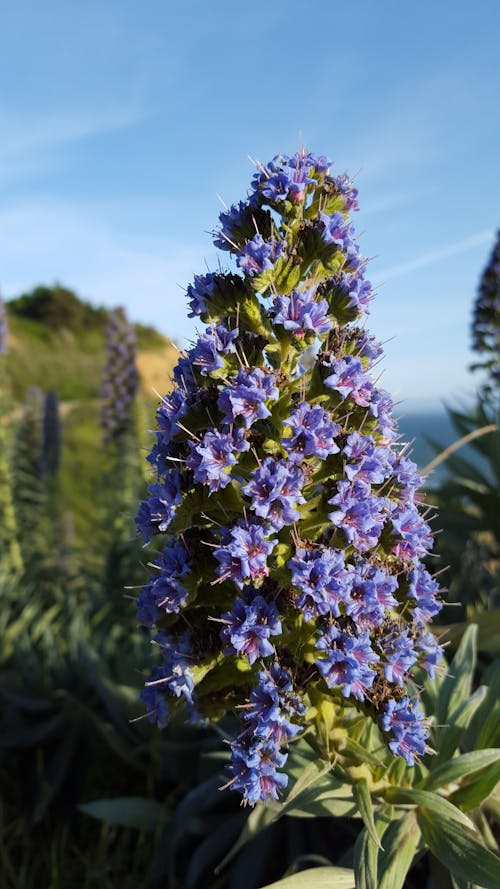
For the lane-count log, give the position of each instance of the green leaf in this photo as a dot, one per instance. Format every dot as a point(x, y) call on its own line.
point(302, 791)
point(317, 878)
point(463, 765)
point(448, 737)
point(211, 848)
point(325, 806)
point(260, 817)
point(127, 811)
point(400, 843)
point(429, 801)
point(477, 789)
point(456, 688)
point(366, 853)
point(360, 754)
point(455, 846)
point(365, 806)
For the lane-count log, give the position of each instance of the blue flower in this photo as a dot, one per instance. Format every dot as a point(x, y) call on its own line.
point(367, 462)
point(414, 538)
point(243, 555)
point(405, 473)
point(349, 379)
point(313, 433)
point(246, 396)
point(429, 651)
point(258, 255)
point(300, 313)
point(345, 187)
point(200, 292)
point(255, 766)
point(156, 513)
point(172, 676)
point(210, 346)
point(356, 289)
point(232, 221)
point(381, 407)
point(153, 697)
point(358, 513)
point(275, 489)
point(211, 459)
point(405, 720)
point(335, 230)
point(248, 627)
point(399, 655)
point(371, 595)
point(324, 582)
point(424, 590)
point(347, 662)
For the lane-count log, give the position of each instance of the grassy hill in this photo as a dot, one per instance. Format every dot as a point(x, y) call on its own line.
point(57, 342)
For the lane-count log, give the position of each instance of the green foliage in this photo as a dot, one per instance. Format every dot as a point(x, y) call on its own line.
point(468, 500)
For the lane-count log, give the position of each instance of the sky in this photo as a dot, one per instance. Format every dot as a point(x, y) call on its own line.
point(123, 120)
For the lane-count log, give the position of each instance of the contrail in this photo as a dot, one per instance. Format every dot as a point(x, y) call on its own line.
point(433, 256)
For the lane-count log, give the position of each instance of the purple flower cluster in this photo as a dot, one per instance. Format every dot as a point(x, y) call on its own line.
point(335, 230)
point(211, 346)
point(276, 489)
point(173, 677)
point(246, 396)
point(424, 590)
point(248, 626)
point(200, 292)
point(296, 528)
point(405, 722)
point(212, 457)
point(288, 178)
point(243, 554)
point(323, 580)
point(358, 513)
point(300, 313)
point(347, 662)
point(258, 255)
point(120, 378)
point(347, 377)
point(255, 754)
point(156, 513)
point(165, 591)
point(313, 433)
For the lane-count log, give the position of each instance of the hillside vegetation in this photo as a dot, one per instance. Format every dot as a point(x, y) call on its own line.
point(57, 342)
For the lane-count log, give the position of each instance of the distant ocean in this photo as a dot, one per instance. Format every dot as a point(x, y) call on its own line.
point(418, 427)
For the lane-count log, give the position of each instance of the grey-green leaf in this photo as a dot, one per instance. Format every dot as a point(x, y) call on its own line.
point(127, 811)
point(365, 806)
point(455, 846)
point(366, 861)
point(457, 686)
point(461, 766)
point(400, 842)
point(317, 878)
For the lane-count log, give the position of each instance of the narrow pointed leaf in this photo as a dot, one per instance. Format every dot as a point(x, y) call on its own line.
point(317, 878)
point(400, 842)
point(461, 766)
point(455, 846)
point(365, 806)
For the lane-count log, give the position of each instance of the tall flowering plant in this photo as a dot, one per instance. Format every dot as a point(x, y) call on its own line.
point(290, 584)
point(486, 318)
point(120, 377)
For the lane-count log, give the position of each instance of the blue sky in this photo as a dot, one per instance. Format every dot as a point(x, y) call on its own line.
point(121, 121)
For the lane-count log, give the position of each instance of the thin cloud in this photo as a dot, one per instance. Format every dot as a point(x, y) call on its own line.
point(434, 256)
point(30, 144)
